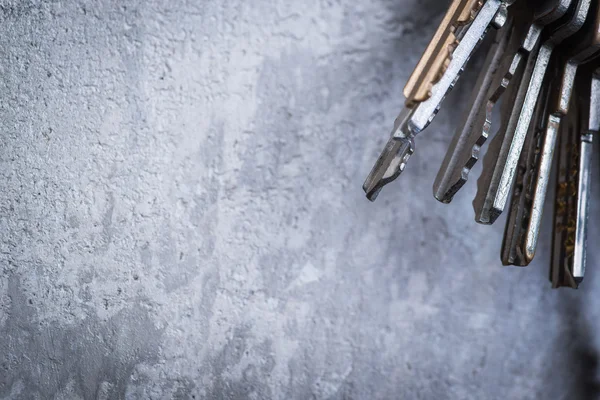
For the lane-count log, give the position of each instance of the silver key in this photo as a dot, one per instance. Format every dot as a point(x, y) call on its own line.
point(520, 208)
point(567, 266)
point(417, 117)
point(463, 152)
point(496, 180)
point(525, 214)
point(584, 177)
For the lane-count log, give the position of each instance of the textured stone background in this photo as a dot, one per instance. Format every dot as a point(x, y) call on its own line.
point(181, 216)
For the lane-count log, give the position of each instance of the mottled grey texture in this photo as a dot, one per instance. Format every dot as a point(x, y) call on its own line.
point(181, 216)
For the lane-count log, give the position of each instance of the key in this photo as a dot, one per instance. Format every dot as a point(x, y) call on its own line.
point(499, 171)
point(436, 57)
point(526, 209)
point(591, 129)
point(521, 201)
point(417, 114)
point(560, 273)
point(567, 266)
point(464, 149)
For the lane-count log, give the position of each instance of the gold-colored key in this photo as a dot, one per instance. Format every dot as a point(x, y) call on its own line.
point(437, 56)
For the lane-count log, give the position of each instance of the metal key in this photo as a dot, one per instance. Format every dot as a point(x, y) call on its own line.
point(520, 208)
point(464, 149)
point(527, 206)
point(496, 180)
point(436, 57)
point(560, 272)
point(567, 266)
point(418, 114)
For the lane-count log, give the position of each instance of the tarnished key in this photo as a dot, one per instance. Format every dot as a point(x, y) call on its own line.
point(501, 161)
point(463, 152)
point(418, 114)
point(524, 219)
point(567, 151)
point(567, 266)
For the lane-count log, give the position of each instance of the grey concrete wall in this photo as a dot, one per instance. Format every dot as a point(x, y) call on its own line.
point(181, 216)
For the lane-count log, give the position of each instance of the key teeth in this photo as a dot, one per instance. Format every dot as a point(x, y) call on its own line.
point(464, 174)
point(448, 196)
point(485, 130)
point(478, 144)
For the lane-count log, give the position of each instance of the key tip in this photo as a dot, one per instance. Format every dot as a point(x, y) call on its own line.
point(371, 193)
point(389, 165)
point(529, 254)
point(486, 215)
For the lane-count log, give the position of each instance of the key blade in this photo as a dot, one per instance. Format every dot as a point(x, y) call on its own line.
point(497, 73)
point(567, 266)
point(560, 274)
point(443, 187)
point(389, 165)
point(521, 207)
point(495, 157)
point(581, 213)
point(393, 158)
point(541, 187)
point(589, 94)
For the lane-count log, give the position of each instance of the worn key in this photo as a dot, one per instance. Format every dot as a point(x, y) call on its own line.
point(567, 266)
point(499, 170)
point(567, 152)
point(418, 114)
point(463, 152)
point(525, 214)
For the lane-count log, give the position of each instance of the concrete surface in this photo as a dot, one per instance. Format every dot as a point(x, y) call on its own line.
point(181, 216)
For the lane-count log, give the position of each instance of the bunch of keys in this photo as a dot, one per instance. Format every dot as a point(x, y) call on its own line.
point(543, 66)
